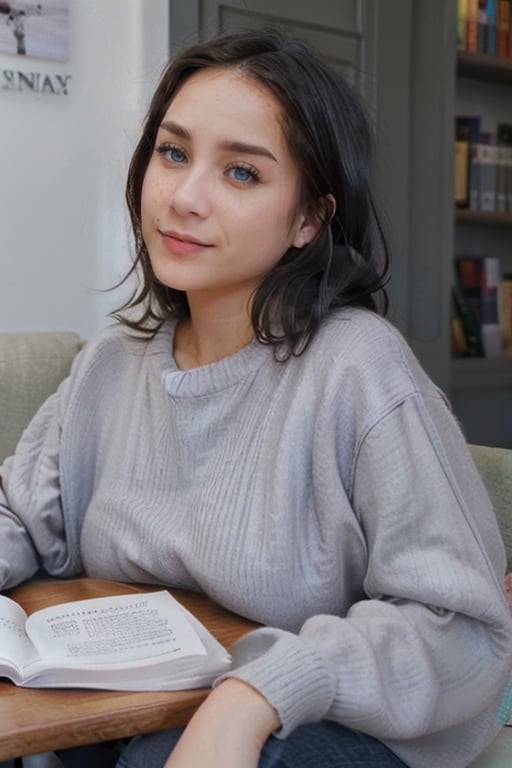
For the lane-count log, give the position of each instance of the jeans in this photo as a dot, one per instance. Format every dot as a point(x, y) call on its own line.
point(315, 745)
point(46, 760)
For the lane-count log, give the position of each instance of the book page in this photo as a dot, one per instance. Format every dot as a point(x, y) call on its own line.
point(110, 631)
point(15, 645)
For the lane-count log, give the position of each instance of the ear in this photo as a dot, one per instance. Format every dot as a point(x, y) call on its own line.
point(311, 219)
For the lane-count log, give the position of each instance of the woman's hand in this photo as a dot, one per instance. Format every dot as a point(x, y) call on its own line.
point(227, 731)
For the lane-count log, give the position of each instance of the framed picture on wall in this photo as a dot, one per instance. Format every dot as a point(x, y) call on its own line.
point(36, 29)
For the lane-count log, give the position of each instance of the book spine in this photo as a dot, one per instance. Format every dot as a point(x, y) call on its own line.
point(466, 291)
point(461, 24)
point(508, 174)
point(482, 27)
point(503, 28)
point(506, 313)
point(474, 177)
point(501, 179)
point(472, 26)
point(490, 328)
point(459, 343)
point(504, 138)
point(492, 29)
point(467, 129)
point(487, 167)
point(462, 174)
point(510, 30)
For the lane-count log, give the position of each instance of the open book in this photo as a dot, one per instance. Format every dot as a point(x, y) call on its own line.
point(145, 641)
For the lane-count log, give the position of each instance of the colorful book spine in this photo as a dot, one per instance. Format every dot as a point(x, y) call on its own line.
point(479, 279)
point(510, 31)
point(501, 178)
point(461, 24)
point(506, 313)
point(468, 311)
point(504, 141)
point(508, 174)
point(474, 177)
point(487, 176)
point(503, 28)
point(459, 343)
point(490, 328)
point(472, 26)
point(467, 130)
point(492, 28)
point(485, 26)
point(482, 26)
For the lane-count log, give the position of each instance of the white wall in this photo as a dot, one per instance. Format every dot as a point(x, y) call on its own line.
point(63, 161)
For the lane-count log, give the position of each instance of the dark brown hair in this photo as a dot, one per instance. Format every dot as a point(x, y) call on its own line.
point(329, 136)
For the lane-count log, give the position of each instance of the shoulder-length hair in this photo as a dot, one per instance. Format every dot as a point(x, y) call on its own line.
point(329, 136)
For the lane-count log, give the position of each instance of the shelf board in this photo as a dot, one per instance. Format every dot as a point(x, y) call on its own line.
point(481, 66)
point(491, 218)
point(481, 372)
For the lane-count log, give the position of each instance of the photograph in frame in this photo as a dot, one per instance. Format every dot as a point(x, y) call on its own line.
point(35, 29)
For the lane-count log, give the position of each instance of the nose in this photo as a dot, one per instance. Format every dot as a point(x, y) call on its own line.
point(192, 192)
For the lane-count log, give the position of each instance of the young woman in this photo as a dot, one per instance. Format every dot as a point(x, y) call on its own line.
point(255, 429)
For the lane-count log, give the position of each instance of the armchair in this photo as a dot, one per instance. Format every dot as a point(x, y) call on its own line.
point(32, 365)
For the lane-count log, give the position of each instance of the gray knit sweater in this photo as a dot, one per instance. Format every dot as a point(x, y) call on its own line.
point(331, 498)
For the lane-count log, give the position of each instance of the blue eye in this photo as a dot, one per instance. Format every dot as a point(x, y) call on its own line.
point(176, 155)
point(244, 174)
point(172, 153)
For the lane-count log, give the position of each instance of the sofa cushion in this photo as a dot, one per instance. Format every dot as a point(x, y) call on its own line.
point(499, 752)
point(32, 365)
point(495, 467)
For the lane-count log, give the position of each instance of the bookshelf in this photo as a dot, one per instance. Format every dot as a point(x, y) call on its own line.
point(485, 218)
point(481, 66)
point(481, 388)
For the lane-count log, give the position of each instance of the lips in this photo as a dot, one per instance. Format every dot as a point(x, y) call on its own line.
point(182, 244)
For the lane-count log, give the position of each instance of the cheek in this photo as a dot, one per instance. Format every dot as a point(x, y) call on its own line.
point(149, 199)
point(273, 223)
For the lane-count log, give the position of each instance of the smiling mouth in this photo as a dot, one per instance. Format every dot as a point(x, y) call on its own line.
point(182, 245)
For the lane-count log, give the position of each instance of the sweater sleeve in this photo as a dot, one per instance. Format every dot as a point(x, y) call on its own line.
point(32, 527)
point(430, 648)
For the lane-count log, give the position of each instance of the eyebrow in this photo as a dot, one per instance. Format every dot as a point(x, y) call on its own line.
point(229, 146)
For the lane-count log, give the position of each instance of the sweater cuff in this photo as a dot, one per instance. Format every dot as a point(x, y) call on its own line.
point(288, 671)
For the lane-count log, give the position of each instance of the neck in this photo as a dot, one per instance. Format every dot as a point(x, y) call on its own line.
point(208, 335)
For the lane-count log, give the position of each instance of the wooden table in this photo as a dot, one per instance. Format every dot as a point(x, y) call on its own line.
point(39, 720)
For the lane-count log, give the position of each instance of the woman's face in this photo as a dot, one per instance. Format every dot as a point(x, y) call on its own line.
point(220, 197)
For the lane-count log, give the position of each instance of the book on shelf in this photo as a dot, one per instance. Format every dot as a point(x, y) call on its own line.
point(492, 29)
point(462, 155)
point(485, 17)
point(465, 318)
point(467, 131)
point(483, 166)
point(484, 26)
point(474, 176)
point(459, 342)
point(143, 641)
point(487, 176)
point(478, 279)
point(461, 24)
point(489, 306)
point(501, 178)
point(504, 139)
point(506, 313)
point(503, 28)
point(508, 172)
point(472, 26)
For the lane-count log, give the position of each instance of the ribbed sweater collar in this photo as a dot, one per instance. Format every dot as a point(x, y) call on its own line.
point(208, 379)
